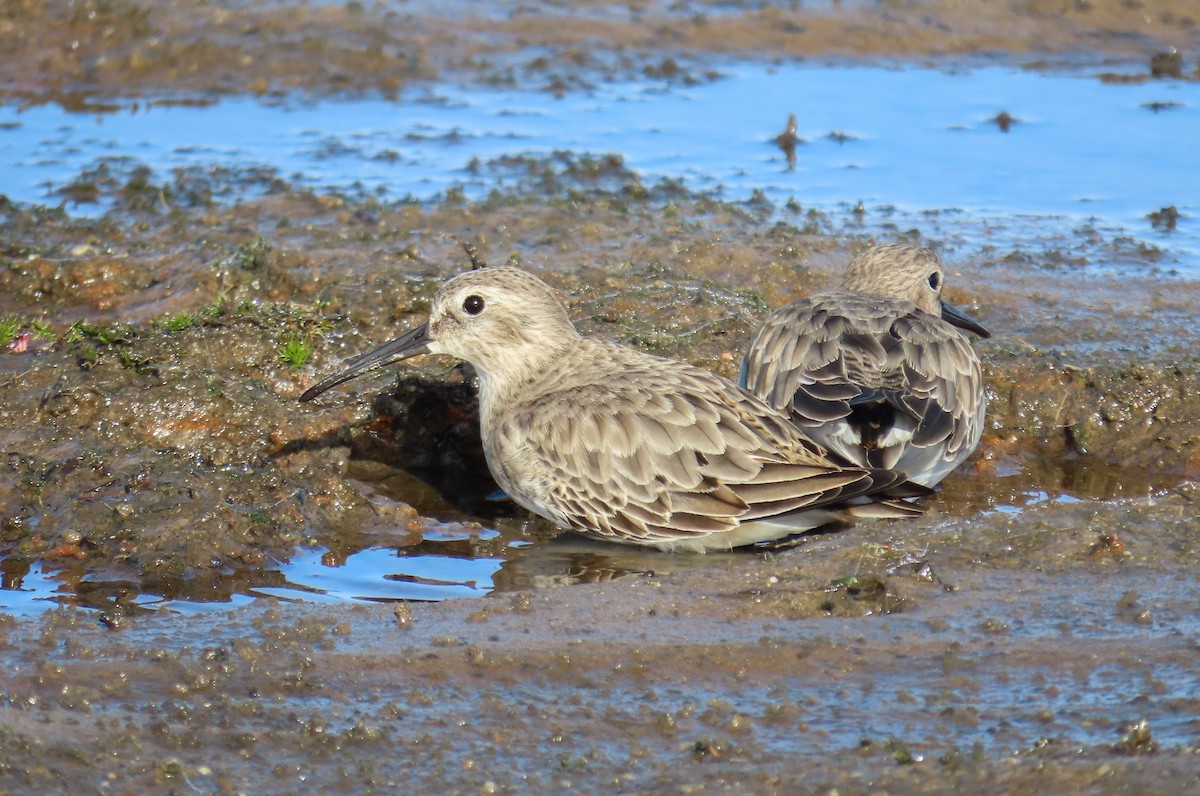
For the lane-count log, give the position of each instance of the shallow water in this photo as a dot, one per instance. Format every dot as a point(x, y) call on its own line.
point(374, 574)
point(905, 143)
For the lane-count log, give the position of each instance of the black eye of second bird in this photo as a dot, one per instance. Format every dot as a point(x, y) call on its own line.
point(473, 305)
point(934, 280)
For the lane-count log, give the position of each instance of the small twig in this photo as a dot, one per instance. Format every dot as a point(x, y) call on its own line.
point(477, 261)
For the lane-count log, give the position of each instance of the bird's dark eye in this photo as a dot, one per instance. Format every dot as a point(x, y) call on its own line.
point(473, 305)
point(935, 280)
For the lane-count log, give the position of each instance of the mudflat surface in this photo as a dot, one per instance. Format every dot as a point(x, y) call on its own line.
point(123, 47)
point(1036, 632)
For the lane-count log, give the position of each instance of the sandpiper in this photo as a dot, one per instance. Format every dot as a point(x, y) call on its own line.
point(622, 445)
point(876, 371)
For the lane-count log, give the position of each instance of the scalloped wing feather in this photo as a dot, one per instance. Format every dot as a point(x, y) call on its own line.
point(824, 358)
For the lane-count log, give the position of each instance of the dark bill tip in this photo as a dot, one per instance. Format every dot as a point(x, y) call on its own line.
point(410, 345)
point(952, 314)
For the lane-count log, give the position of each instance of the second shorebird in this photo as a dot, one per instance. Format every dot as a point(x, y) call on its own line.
point(622, 445)
point(876, 370)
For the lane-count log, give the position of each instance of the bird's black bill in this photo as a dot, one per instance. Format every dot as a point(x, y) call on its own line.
point(962, 320)
point(412, 344)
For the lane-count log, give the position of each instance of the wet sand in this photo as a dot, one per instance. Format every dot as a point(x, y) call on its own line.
point(1010, 642)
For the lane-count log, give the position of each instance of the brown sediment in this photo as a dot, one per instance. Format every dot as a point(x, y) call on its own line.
point(77, 52)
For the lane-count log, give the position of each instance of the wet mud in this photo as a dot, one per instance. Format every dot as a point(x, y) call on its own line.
point(96, 48)
point(1035, 632)
point(1041, 652)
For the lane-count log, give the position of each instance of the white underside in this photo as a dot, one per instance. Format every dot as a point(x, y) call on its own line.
point(924, 466)
point(747, 534)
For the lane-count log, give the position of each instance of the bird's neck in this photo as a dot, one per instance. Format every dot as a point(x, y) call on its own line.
point(520, 372)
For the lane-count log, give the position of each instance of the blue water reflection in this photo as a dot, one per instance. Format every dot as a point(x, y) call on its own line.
point(914, 139)
point(384, 575)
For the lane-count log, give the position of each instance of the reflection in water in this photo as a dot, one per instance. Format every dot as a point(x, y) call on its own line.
point(1012, 485)
point(391, 575)
point(570, 559)
point(26, 587)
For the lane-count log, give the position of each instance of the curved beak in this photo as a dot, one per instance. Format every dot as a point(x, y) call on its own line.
point(962, 320)
point(412, 344)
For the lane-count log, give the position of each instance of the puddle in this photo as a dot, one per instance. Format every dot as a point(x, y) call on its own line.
point(441, 566)
point(927, 148)
point(427, 572)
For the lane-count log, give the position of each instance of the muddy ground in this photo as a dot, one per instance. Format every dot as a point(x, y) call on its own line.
point(95, 48)
point(1013, 641)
